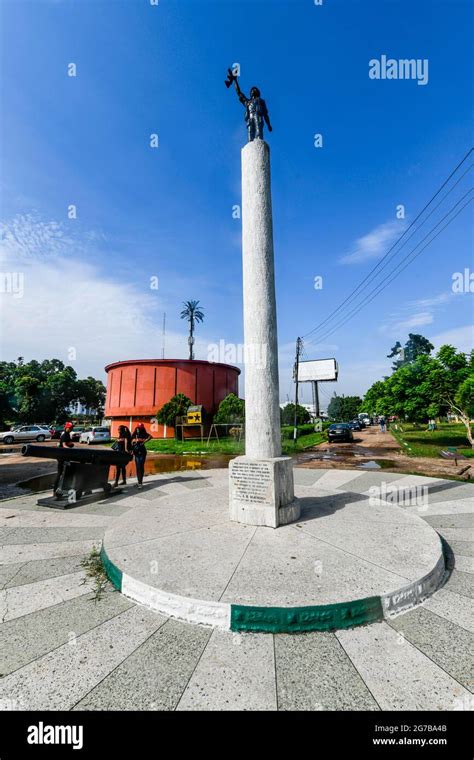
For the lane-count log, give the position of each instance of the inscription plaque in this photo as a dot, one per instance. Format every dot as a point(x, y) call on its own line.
point(250, 482)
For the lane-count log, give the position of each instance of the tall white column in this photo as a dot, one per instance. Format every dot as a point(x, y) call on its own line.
point(261, 482)
point(262, 398)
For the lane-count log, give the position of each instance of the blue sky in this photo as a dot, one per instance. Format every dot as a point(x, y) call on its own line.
point(167, 212)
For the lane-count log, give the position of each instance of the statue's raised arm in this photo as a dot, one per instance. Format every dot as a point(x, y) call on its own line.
point(256, 111)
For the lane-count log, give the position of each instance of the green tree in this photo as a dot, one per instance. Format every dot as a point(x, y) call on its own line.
point(287, 415)
point(41, 391)
point(175, 407)
point(91, 394)
point(416, 345)
point(428, 387)
point(193, 313)
point(344, 408)
point(231, 409)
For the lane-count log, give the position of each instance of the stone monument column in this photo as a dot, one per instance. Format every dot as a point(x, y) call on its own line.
point(261, 482)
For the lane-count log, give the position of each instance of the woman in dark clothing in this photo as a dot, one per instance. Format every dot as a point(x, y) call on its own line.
point(139, 438)
point(124, 443)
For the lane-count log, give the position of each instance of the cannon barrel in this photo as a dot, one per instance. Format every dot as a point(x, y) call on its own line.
point(89, 456)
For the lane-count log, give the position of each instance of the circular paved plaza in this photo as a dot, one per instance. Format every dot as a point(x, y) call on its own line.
point(60, 648)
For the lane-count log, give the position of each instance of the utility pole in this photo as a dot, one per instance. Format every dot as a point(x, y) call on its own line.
point(316, 401)
point(299, 347)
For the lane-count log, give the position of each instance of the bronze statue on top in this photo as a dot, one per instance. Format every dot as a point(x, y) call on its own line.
point(256, 111)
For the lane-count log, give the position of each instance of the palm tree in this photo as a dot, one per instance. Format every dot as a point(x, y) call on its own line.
point(192, 313)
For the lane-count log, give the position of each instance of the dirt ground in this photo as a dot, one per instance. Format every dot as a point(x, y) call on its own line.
point(372, 446)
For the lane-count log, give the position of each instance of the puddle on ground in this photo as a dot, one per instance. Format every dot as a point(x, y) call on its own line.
point(343, 455)
point(153, 465)
point(173, 463)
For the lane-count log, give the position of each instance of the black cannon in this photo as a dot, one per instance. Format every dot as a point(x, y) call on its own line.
point(79, 471)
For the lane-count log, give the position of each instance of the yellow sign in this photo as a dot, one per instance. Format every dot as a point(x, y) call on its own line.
point(194, 418)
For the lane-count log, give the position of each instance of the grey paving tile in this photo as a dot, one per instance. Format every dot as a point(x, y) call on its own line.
point(155, 675)
point(398, 674)
point(61, 678)
point(193, 485)
point(26, 638)
point(452, 606)
point(369, 479)
point(15, 553)
point(43, 535)
point(7, 572)
point(236, 672)
point(112, 509)
point(151, 495)
point(465, 548)
point(30, 597)
point(454, 534)
point(305, 476)
point(461, 583)
point(315, 673)
point(452, 521)
point(464, 564)
point(444, 642)
point(41, 569)
point(449, 490)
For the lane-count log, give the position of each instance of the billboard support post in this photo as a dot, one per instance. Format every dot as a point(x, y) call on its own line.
point(299, 344)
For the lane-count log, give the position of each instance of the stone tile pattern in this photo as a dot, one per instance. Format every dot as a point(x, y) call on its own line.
point(126, 657)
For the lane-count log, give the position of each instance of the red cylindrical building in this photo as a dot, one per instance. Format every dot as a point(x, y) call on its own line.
point(137, 389)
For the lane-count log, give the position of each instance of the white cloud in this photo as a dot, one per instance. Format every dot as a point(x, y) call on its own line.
point(68, 303)
point(375, 243)
point(416, 320)
point(427, 303)
point(27, 236)
point(461, 338)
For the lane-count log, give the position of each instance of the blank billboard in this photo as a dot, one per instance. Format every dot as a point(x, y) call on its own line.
point(318, 369)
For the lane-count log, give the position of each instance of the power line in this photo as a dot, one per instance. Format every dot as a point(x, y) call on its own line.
point(349, 297)
point(356, 310)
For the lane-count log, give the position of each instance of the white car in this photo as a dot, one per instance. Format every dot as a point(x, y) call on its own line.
point(26, 433)
point(95, 435)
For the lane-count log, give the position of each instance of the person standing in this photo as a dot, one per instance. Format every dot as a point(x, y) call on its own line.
point(65, 441)
point(123, 444)
point(382, 424)
point(139, 438)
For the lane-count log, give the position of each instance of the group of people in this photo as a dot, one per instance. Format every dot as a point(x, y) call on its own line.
point(132, 443)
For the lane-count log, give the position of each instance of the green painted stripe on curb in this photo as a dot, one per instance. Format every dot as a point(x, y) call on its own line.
point(113, 573)
point(298, 619)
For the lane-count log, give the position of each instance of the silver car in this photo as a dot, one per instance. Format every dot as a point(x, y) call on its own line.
point(95, 435)
point(25, 433)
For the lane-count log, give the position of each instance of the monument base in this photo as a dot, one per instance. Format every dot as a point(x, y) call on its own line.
point(261, 491)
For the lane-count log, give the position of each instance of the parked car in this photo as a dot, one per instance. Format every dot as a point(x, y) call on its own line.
point(340, 431)
point(356, 425)
point(76, 432)
point(25, 433)
point(95, 435)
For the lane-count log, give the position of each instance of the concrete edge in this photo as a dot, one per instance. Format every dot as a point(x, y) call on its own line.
point(236, 617)
point(415, 593)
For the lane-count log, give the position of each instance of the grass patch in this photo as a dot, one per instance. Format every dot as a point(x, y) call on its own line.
point(417, 441)
point(96, 572)
point(306, 438)
point(302, 443)
point(194, 446)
